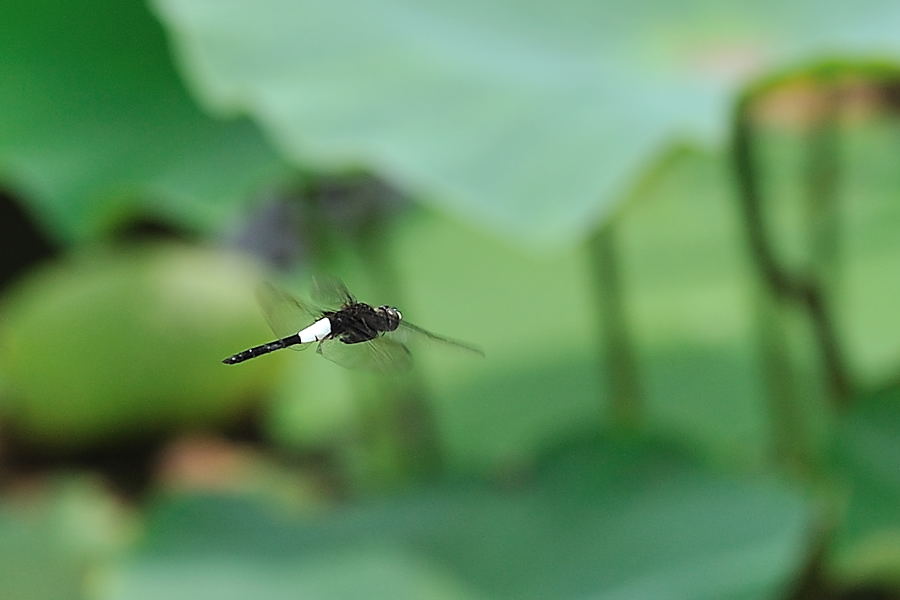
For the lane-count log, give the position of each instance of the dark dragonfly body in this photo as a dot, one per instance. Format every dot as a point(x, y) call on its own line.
point(262, 349)
point(359, 322)
point(354, 334)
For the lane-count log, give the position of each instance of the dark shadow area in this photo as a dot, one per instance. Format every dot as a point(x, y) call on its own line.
point(24, 243)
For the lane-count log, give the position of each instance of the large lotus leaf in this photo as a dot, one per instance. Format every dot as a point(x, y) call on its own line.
point(529, 118)
point(613, 520)
point(95, 125)
point(115, 343)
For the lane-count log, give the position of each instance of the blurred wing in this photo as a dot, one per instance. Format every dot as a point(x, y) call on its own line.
point(330, 292)
point(381, 354)
point(409, 333)
point(285, 314)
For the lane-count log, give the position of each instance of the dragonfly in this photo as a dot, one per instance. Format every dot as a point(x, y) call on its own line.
point(345, 331)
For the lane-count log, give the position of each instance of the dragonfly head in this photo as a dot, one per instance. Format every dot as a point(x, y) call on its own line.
point(392, 315)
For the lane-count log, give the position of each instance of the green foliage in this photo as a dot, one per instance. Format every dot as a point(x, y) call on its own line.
point(95, 126)
point(613, 519)
point(548, 367)
point(690, 293)
point(116, 343)
point(867, 456)
point(870, 247)
point(527, 119)
point(866, 244)
point(52, 538)
point(689, 297)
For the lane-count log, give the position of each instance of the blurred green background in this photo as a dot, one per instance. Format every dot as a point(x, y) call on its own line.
point(673, 229)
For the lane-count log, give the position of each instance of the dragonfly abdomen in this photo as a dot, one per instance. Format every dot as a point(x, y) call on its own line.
point(262, 349)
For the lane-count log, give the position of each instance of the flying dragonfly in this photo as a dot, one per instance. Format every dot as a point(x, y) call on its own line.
point(350, 333)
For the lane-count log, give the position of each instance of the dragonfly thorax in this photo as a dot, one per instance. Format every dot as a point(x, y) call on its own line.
point(360, 322)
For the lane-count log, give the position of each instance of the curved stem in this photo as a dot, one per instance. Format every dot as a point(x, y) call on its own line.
point(797, 288)
point(822, 173)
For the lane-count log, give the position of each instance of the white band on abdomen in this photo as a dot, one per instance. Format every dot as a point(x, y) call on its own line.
point(316, 332)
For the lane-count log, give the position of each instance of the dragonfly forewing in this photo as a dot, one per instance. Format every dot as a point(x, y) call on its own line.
point(285, 314)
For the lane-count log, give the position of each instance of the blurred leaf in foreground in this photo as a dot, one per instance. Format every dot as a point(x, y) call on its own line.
point(129, 340)
point(96, 127)
point(609, 520)
point(528, 119)
point(53, 539)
